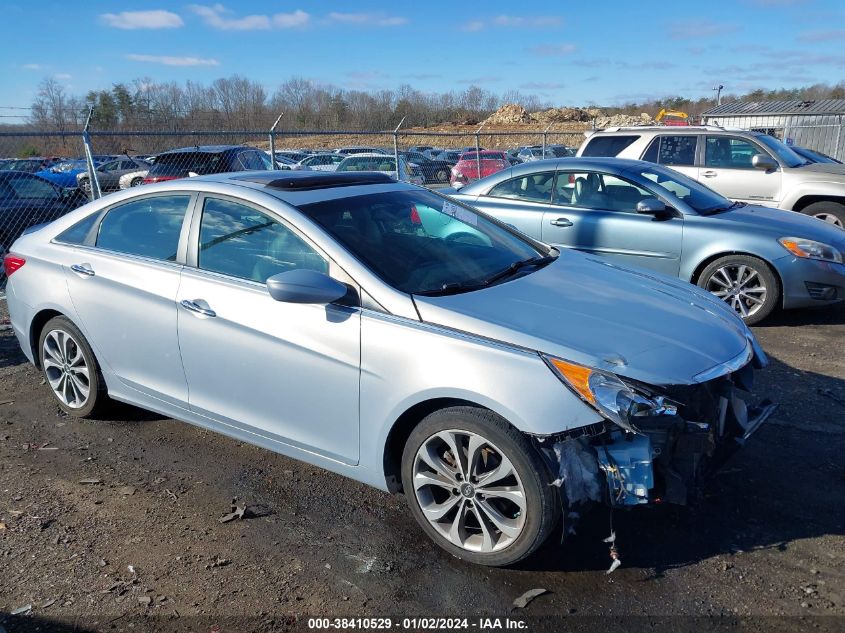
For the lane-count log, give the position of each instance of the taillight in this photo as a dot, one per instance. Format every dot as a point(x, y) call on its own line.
point(11, 263)
point(415, 216)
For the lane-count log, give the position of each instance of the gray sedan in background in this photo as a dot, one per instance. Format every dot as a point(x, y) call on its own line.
point(637, 213)
point(387, 333)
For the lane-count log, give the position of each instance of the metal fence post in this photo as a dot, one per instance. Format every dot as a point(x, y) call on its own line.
point(273, 143)
point(545, 133)
point(478, 148)
point(399, 173)
point(93, 181)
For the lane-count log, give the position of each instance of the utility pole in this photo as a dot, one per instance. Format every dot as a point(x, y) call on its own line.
point(718, 90)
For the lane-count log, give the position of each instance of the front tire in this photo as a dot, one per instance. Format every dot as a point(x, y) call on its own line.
point(441, 175)
point(477, 486)
point(745, 283)
point(830, 212)
point(71, 369)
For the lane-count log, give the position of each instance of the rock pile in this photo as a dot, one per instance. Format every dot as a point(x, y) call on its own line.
point(509, 114)
point(624, 120)
point(561, 115)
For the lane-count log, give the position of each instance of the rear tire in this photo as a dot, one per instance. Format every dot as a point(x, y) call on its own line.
point(136, 181)
point(70, 369)
point(441, 175)
point(745, 283)
point(830, 212)
point(502, 505)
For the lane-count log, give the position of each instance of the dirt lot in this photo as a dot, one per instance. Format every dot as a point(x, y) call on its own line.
point(140, 547)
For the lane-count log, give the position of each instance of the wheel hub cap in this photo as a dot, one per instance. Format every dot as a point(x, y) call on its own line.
point(469, 491)
point(66, 369)
point(740, 286)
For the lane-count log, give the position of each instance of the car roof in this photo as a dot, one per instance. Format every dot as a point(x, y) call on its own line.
point(672, 129)
point(211, 149)
point(304, 187)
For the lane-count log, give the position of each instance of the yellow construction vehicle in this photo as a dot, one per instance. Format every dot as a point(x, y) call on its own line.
point(676, 117)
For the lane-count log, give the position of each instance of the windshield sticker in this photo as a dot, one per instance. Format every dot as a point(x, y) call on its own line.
point(459, 213)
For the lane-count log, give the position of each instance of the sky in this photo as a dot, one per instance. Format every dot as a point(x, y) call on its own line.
point(566, 52)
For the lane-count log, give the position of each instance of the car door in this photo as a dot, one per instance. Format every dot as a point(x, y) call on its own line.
point(596, 212)
point(520, 202)
point(123, 283)
point(284, 371)
point(727, 168)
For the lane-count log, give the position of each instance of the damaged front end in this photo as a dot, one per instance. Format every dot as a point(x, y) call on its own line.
point(657, 445)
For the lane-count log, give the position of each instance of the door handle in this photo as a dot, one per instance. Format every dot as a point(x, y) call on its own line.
point(83, 269)
point(708, 174)
point(561, 222)
point(193, 306)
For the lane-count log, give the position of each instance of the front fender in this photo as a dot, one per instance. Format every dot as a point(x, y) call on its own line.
point(405, 363)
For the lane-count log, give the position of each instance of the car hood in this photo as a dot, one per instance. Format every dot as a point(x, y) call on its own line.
point(782, 223)
point(634, 323)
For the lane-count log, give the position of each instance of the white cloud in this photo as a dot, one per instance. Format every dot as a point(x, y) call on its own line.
point(216, 17)
point(542, 85)
point(219, 17)
point(62, 76)
point(158, 19)
point(553, 50)
point(169, 60)
point(291, 20)
point(822, 36)
point(514, 21)
point(541, 21)
point(690, 29)
point(366, 19)
point(32, 66)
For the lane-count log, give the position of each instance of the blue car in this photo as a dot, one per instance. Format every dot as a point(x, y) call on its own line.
point(64, 174)
point(636, 213)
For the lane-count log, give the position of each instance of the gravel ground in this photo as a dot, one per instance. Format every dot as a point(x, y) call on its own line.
point(114, 525)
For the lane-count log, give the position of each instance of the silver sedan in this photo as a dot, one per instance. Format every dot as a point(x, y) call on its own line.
point(636, 213)
point(390, 334)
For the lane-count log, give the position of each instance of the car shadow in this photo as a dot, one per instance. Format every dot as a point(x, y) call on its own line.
point(783, 487)
point(822, 315)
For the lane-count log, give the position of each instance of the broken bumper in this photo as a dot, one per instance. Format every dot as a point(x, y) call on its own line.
point(668, 457)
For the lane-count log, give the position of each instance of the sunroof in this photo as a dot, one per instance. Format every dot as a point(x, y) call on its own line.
point(305, 181)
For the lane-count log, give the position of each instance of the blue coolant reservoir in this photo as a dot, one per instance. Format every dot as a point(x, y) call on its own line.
point(627, 464)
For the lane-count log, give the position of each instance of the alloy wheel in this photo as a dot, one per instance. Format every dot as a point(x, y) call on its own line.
point(829, 218)
point(469, 491)
point(740, 286)
point(66, 369)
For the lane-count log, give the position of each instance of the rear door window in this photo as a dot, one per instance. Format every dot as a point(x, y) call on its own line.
point(608, 145)
point(149, 227)
point(531, 188)
point(676, 150)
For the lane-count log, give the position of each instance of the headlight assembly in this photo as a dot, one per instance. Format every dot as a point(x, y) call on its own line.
point(614, 399)
point(810, 249)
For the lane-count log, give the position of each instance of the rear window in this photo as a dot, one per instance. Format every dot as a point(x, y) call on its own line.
point(484, 156)
point(607, 145)
point(180, 163)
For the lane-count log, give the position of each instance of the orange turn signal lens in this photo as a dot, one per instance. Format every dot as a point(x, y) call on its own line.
point(793, 247)
point(577, 376)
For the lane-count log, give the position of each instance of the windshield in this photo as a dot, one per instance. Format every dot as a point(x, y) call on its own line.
point(672, 185)
point(420, 242)
point(783, 152)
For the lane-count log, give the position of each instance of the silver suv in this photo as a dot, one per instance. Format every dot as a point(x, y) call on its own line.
point(748, 166)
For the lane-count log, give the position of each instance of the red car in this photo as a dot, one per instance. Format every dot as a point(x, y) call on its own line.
point(466, 170)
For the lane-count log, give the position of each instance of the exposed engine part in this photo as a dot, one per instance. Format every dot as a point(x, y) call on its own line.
point(627, 463)
point(578, 472)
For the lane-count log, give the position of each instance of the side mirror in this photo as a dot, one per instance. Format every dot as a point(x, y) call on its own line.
point(305, 286)
point(764, 162)
point(651, 206)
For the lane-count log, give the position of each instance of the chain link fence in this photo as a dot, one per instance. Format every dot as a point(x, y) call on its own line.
point(44, 175)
